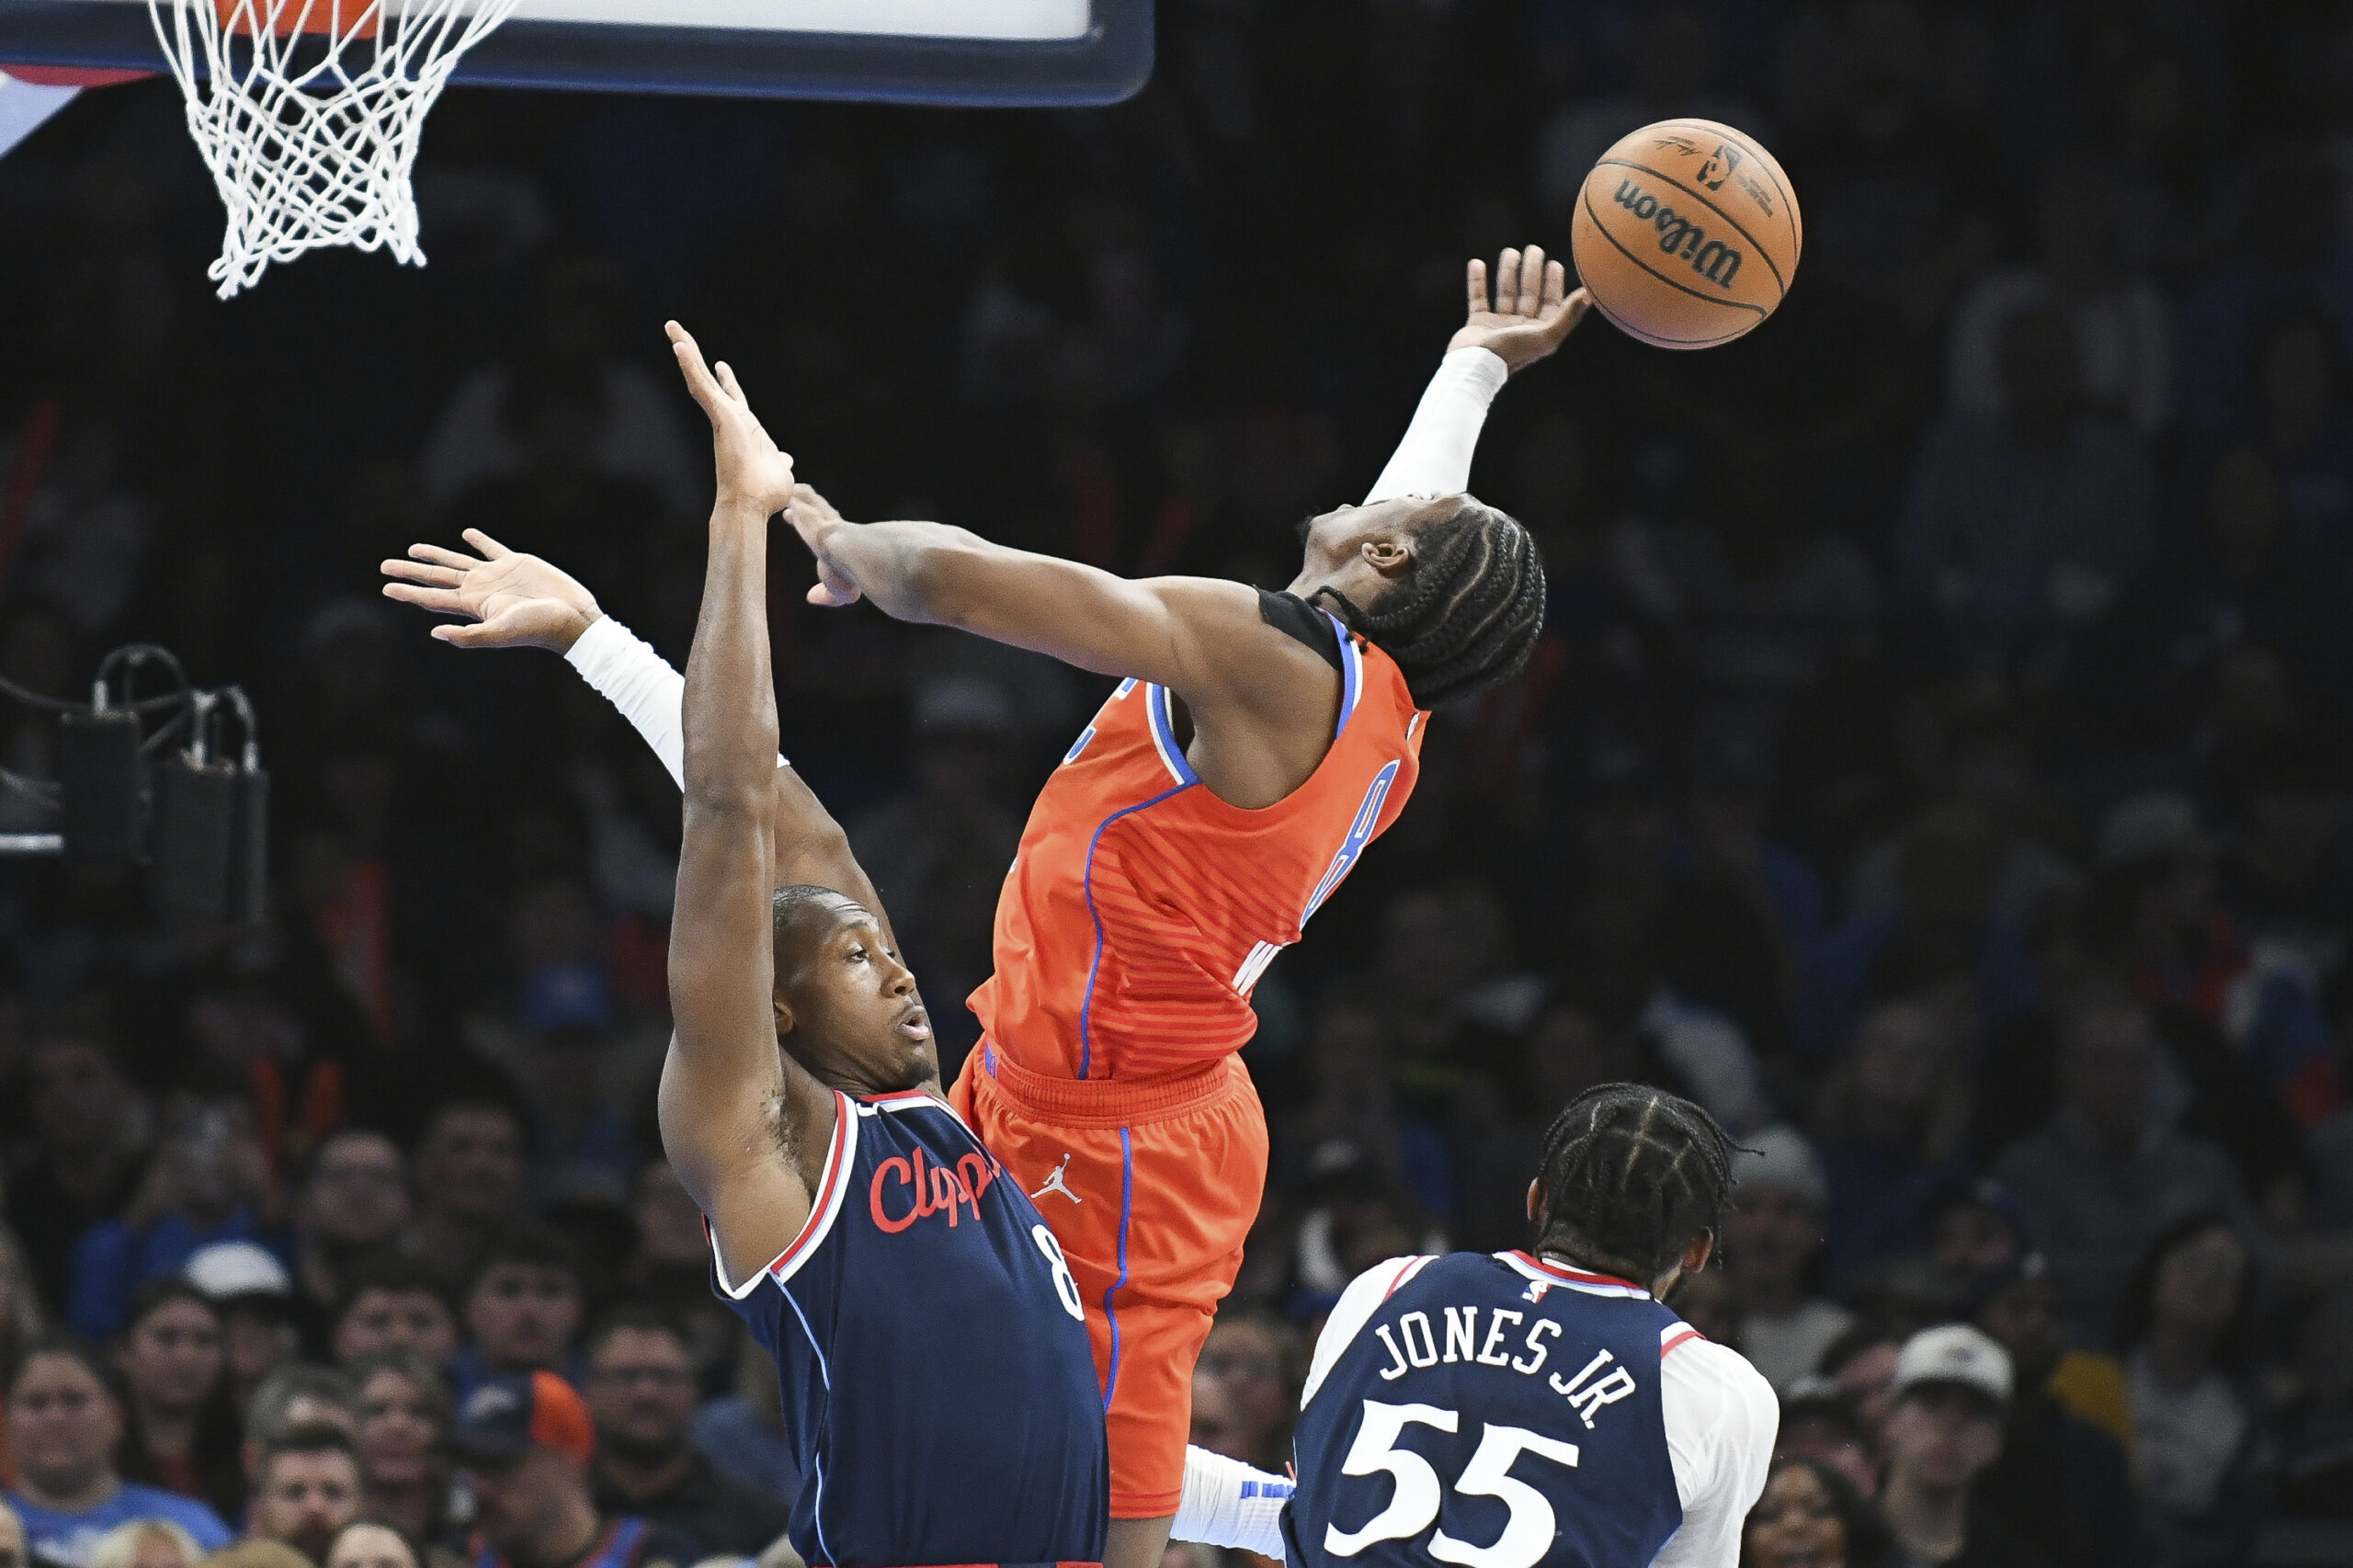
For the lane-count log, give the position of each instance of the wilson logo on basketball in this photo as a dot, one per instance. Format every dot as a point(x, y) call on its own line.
point(1680, 236)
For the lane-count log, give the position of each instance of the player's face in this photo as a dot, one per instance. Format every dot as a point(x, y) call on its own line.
point(846, 1005)
point(1359, 549)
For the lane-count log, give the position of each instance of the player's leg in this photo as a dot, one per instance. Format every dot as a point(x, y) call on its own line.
point(1151, 1193)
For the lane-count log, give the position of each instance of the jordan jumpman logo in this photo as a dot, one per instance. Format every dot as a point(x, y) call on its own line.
point(1055, 1183)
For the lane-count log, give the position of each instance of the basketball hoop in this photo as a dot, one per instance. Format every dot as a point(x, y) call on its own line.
point(310, 121)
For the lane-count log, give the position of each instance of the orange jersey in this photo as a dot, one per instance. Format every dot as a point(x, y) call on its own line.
point(1142, 909)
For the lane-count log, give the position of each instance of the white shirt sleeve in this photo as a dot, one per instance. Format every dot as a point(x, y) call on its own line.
point(1353, 1310)
point(628, 673)
point(1435, 456)
point(1721, 1419)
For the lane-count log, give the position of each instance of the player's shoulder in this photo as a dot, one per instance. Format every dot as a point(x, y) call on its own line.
point(1714, 1384)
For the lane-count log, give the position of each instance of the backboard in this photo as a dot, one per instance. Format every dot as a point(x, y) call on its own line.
point(1009, 52)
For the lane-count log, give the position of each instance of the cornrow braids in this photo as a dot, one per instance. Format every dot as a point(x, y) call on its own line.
point(1631, 1175)
point(1466, 614)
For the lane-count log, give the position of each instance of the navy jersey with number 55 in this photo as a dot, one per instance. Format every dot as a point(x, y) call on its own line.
point(1480, 1411)
point(938, 1390)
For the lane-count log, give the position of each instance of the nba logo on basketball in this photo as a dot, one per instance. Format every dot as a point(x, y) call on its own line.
point(1718, 166)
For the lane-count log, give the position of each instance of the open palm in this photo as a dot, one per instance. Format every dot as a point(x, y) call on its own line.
point(1532, 312)
point(515, 600)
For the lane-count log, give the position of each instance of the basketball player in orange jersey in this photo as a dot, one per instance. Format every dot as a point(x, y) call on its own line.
point(1257, 744)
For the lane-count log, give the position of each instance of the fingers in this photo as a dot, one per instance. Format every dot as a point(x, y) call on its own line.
point(1531, 281)
point(1478, 282)
point(1575, 306)
point(490, 548)
point(463, 636)
point(441, 601)
point(418, 571)
point(456, 560)
point(1556, 284)
point(1506, 279)
point(727, 379)
point(700, 382)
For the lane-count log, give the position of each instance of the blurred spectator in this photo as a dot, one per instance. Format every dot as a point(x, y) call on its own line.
point(20, 1326)
point(1352, 1106)
point(742, 1432)
point(86, 1155)
point(1217, 1426)
point(1819, 1425)
point(2061, 1478)
point(522, 1307)
point(641, 1395)
point(65, 1423)
point(146, 1543)
point(1256, 1357)
point(469, 1174)
point(1812, 1516)
point(938, 853)
point(1943, 1428)
point(2026, 530)
point(2199, 1450)
point(297, 1396)
point(1861, 1363)
point(393, 1301)
point(181, 1429)
point(1891, 1126)
point(354, 1202)
point(527, 1441)
point(2122, 325)
point(1773, 1245)
point(1946, 935)
point(252, 1293)
point(2162, 923)
point(209, 1181)
point(373, 1543)
point(308, 1489)
point(404, 1428)
point(630, 428)
point(2106, 1174)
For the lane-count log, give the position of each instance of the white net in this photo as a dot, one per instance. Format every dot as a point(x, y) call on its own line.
point(308, 112)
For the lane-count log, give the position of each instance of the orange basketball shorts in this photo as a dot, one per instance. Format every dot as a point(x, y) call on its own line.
point(1150, 1185)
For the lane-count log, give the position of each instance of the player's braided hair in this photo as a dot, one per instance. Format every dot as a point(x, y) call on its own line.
point(1631, 1175)
point(1465, 615)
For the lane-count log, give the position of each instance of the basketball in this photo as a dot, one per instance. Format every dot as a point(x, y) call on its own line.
point(1686, 235)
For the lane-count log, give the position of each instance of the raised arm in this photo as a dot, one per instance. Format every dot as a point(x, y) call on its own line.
point(736, 1124)
point(515, 600)
point(1531, 314)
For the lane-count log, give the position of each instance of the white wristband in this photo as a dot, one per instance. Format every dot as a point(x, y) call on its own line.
point(1228, 1503)
point(1435, 456)
point(628, 673)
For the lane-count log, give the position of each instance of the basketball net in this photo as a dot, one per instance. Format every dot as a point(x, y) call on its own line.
point(308, 112)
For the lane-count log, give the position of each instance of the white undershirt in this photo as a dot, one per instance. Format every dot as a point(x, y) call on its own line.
point(1720, 1414)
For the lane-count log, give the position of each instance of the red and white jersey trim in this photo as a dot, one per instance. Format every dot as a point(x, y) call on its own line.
point(832, 1183)
point(1575, 1280)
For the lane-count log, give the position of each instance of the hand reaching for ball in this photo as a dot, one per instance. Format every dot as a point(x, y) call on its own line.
point(1533, 309)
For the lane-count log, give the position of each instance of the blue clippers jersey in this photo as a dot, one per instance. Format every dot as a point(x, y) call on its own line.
point(1498, 1412)
point(939, 1391)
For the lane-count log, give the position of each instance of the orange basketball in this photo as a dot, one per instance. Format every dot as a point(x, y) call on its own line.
point(1686, 233)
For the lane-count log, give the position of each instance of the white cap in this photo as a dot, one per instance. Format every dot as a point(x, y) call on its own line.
point(1781, 1156)
point(238, 1268)
point(1953, 1353)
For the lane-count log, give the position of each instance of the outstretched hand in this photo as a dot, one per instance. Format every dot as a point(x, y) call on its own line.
point(1533, 310)
point(515, 601)
point(751, 470)
point(814, 519)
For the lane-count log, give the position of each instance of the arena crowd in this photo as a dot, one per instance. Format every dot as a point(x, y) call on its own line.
point(1935, 765)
